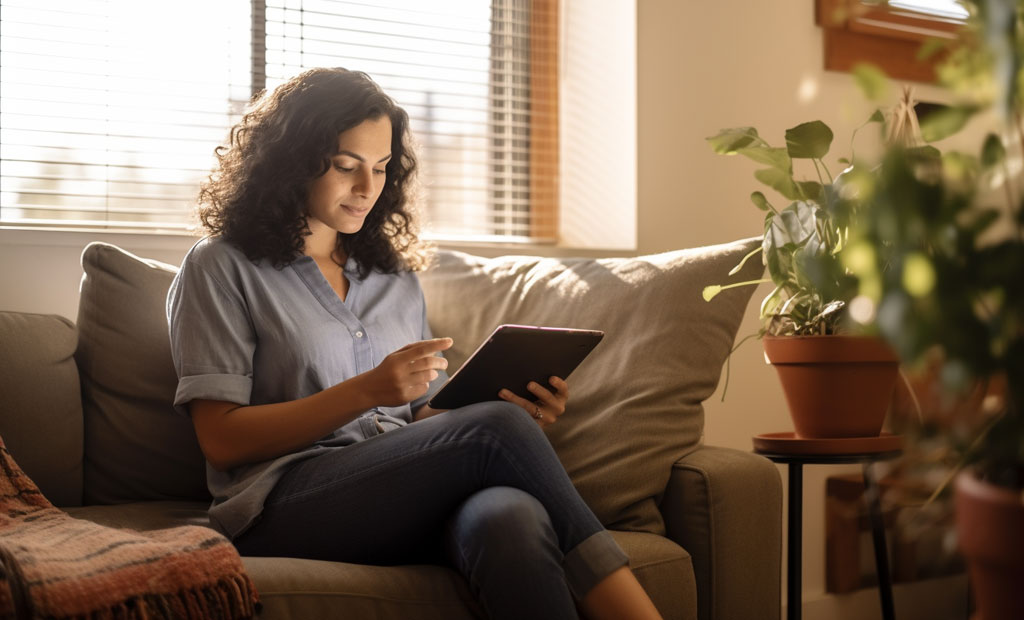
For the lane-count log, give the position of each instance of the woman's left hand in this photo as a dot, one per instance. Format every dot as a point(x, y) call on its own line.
point(548, 406)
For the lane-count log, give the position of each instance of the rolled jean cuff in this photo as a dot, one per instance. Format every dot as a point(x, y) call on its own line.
point(591, 561)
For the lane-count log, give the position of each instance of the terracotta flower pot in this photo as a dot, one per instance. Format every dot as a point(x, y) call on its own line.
point(990, 534)
point(836, 386)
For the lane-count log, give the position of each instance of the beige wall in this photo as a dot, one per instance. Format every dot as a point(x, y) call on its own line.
point(700, 67)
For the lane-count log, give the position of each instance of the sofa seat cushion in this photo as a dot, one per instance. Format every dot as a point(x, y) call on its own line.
point(293, 588)
point(296, 588)
point(144, 516)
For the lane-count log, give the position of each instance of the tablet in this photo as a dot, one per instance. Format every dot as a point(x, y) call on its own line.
point(513, 356)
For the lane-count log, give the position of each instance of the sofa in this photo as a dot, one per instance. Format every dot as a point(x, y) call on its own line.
point(85, 409)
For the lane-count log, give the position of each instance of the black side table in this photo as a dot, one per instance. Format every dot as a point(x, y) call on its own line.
point(794, 523)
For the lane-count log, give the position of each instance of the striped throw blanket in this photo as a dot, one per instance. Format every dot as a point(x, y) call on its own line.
point(54, 566)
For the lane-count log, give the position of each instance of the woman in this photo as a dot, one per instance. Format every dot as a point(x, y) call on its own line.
point(299, 335)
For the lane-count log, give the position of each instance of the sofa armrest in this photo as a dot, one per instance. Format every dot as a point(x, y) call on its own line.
point(724, 507)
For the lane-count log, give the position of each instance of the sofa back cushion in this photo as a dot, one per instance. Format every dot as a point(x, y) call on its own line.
point(136, 446)
point(40, 403)
point(635, 403)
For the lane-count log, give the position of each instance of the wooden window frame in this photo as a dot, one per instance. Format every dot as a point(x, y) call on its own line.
point(544, 143)
point(887, 37)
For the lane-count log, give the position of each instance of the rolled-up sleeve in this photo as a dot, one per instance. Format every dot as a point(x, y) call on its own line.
point(212, 339)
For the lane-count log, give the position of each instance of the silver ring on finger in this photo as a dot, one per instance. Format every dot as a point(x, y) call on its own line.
point(536, 412)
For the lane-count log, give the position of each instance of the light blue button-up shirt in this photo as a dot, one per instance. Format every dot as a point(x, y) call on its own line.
point(252, 335)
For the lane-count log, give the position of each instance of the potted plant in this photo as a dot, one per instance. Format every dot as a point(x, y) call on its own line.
point(940, 271)
point(837, 383)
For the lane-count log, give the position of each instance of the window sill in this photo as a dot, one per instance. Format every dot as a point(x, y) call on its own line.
point(15, 235)
point(855, 31)
point(181, 241)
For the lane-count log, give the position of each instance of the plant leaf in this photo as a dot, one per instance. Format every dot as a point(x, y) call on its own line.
point(981, 221)
point(778, 180)
point(794, 225)
point(809, 140)
point(924, 153)
point(918, 274)
point(785, 235)
point(709, 292)
point(774, 157)
point(760, 201)
point(872, 81)
point(812, 190)
point(945, 121)
point(960, 168)
point(993, 152)
point(877, 117)
point(770, 303)
point(728, 141)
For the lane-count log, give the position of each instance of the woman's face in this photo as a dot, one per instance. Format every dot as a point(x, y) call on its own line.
point(342, 197)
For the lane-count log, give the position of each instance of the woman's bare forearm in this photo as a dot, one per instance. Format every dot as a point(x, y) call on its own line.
point(231, 434)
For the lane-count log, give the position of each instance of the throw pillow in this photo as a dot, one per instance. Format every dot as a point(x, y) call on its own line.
point(136, 447)
point(635, 403)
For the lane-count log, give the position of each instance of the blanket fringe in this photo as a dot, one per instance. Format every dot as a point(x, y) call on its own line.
point(230, 598)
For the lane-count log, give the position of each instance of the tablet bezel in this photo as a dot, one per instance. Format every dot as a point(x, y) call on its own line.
point(511, 357)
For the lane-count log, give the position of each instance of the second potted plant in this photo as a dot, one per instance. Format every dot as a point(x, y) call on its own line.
point(837, 385)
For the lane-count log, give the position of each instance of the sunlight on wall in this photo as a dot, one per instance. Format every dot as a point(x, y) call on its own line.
point(597, 108)
point(808, 89)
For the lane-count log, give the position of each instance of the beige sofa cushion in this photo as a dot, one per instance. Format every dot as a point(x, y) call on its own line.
point(291, 588)
point(635, 405)
point(297, 588)
point(40, 406)
point(136, 446)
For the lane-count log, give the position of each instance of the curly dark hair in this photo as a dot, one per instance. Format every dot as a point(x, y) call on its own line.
point(256, 197)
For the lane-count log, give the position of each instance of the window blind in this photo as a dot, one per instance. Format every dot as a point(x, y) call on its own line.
point(110, 109)
point(462, 69)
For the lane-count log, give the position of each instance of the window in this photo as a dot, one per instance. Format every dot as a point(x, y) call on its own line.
point(886, 34)
point(109, 114)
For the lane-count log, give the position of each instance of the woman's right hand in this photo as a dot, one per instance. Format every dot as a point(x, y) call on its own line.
point(405, 375)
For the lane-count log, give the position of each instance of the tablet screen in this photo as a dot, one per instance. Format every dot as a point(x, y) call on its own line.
point(512, 357)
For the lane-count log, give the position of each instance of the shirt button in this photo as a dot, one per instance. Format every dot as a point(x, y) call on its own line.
point(359, 334)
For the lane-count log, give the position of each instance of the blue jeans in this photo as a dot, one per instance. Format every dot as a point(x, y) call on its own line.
point(480, 486)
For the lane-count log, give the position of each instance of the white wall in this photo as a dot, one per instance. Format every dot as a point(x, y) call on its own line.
point(597, 132)
point(40, 271)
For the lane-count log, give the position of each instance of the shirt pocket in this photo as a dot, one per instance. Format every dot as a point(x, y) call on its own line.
point(368, 426)
point(385, 423)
